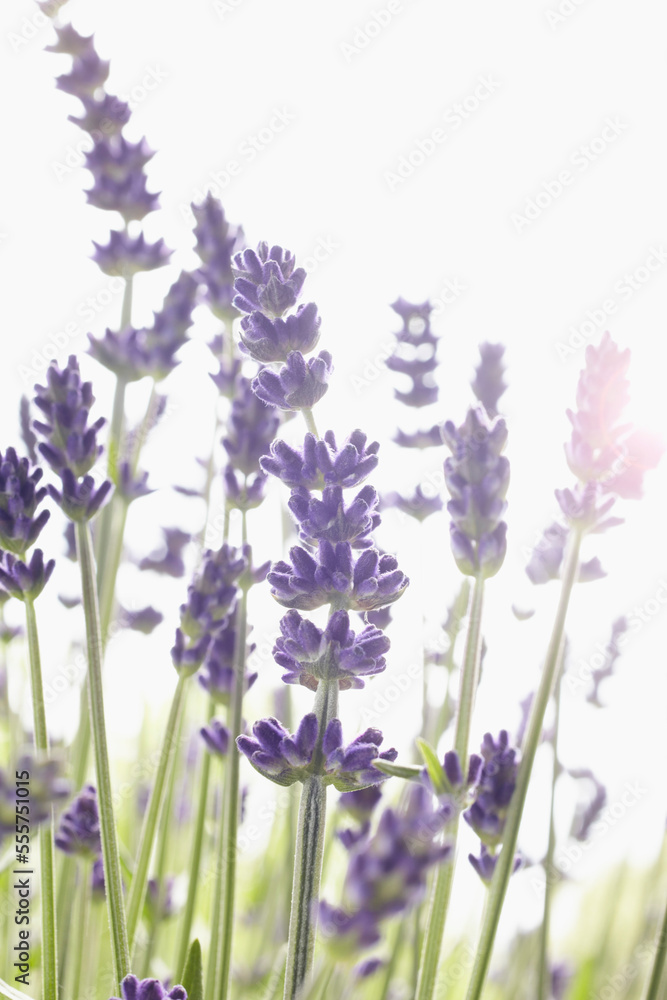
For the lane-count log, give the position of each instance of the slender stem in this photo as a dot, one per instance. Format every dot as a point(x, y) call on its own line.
point(231, 818)
point(543, 977)
point(114, 889)
point(310, 421)
point(212, 964)
point(305, 886)
point(82, 929)
point(195, 859)
point(442, 884)
point(505, 864)
point(395, 950)
point(137, 892)
point(47, 861)
point(469, 675)
point(653, 990)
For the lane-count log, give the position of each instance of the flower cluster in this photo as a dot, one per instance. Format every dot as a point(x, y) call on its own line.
point(267, 286)
point(20, 526)
point(387, 873)
point(286, 758)
point(149, 989)
point(79, 830)
point(216, 243)
point(117, 165)
point(47, 788)
point(250, 429)
point(492, 796)
point(477, 477)
point(488, 383)
point(69, 443)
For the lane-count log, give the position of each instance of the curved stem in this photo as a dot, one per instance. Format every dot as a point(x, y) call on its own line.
point(114, 890)
point(543, 977)
point(227, 871)
point(505, 864)
point(195, 859)
point(442, 885)
point(137, 892)
point(47, 861)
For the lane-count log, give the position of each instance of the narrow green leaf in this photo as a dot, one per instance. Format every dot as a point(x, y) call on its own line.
point(411, 772)
point(193, 974)
point(435, 769)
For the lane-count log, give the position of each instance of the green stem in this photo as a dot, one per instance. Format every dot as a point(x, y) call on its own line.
point(395, 950)
point(137, 892)
point(505, 864)
point(114, 889)
point(47, 861)
point(442, 885)
point(228, 858)
point(544, 977)
point(195, 858)
point(306, 886)
point(653, 991)
point(310, 421)
point(216, 915)
point(82, 929)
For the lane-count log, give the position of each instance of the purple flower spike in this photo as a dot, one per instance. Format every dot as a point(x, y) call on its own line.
point(103, 117)
point(297, 385)
point(309, 654)
point(285, 758)
point(331, 520)
point(432, 438)
point(20, 525)
point(306, 583)
point(488, 384)
point(602, 449)
point(149, 989)
point(321, 463)
point(251, 427)
point(25, 580)
point(494, 790)
point(216, 737)
point(132, 486)
point(126, 255)
point(211, 596)
point(70, 42)
point(267, 280)
point(267, 340)
point(477, 477)
point(217, 672)
point(217, 242)
point(168, 559)
point(485, 864)
point(387, 873)
point(47, 788)
point(361, 804)
point(88, 73)
point(415, 355)
point(418, 505)
point(79, 830)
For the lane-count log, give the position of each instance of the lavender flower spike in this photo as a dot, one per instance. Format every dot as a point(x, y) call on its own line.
point(321, 462)
point(25, 580)
point(217, 242)
point(20, 525)
point(79, 830)
point(298, 385)
point(216, 737)
point(488, 384)
point(494, 790)
point(477, 477)
point(69, 443)
point(149, 989)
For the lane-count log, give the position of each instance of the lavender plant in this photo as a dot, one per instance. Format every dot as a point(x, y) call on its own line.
point(169, 859)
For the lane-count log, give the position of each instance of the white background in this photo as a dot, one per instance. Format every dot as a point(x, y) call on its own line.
point(203, 81)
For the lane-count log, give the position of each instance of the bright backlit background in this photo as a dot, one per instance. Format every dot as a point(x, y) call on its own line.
point(539, 208)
